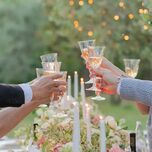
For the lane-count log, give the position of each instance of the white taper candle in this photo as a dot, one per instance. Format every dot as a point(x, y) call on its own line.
point(76, 129)
point(69, 85)
point(102, 135)
point(76, 87)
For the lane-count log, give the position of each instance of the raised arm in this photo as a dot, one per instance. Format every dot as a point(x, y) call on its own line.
point(42, 89)
point(10, 117)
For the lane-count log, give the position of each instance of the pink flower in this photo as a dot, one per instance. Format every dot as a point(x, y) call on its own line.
point(57, 148)
point(116, 148)
point(41, 141)
point(96, 120)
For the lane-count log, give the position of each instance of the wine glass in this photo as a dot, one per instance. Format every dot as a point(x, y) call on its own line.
point(41, 72)
point(94, 61)
point(85, 47)
point(131, 67)
point(51, 66)
point(51, 57)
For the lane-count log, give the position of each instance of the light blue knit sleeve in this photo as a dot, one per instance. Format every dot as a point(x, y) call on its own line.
point(136, 90)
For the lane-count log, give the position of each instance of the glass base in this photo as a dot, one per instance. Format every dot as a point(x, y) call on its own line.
point(89, 82)
point(93, 89)
point(98, 98)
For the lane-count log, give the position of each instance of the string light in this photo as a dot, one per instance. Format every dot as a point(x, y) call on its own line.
point(140, 11)
point(71, 2)
point(103, 24)
point(130, 16)
point(81, 2)
point(146, 27)
point(145, 11)
point(109, 32)
point(80, 29)
point(126, 37)
point(121, 4)
point(76, 24)
point(90, 33)
point(90, 2)
point(116, 17)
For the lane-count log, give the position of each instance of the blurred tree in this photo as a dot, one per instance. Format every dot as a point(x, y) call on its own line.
point(21, 38)
point(117, 24)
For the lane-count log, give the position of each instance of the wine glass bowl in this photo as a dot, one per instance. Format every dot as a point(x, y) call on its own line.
point(51, 66)
point(131, 67)
point(84, 47)
point(51, 57)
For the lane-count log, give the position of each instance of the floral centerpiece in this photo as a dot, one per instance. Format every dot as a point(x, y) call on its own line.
point(54, 132)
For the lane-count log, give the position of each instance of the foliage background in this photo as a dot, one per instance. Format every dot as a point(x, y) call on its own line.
point(29, 29)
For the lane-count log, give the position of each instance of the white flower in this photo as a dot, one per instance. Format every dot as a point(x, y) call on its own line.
point(39, 112)
point(124, 133)
point(45, 125)
point(111, 122)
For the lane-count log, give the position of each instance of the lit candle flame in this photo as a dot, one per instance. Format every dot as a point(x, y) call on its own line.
point(82, 80)
point(69, 77)
point(75, 72)
point(100, 117)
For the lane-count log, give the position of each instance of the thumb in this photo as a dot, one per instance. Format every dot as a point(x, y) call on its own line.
point(56, 76)
point(101, 71)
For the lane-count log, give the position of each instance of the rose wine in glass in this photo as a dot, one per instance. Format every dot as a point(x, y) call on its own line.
point(131, 67)
point(94, 61)
point(85, 47)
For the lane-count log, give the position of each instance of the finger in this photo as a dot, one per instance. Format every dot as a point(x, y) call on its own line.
point(58, 83)
point(55, 76)
point(101, 71)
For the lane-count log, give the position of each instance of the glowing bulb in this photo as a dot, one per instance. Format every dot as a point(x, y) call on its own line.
point(80, 29)
point(121, 4)
point(76, 23)
point(126, 37)
point(130, 16)
point(81, 2)
point(90, 2)
point(82, 80)
point(103, 24)
point(146, 27)
point(71, 2)
point(141, 11)
point(116, 17)
point(145, 11)
point(90, 33)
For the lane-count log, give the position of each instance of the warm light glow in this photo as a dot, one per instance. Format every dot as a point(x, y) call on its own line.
point(75, 72)
point(121, 4)
point(76, 24)
point(81, 2)
point(109, 32)
point(146, 11)
point(87, 107)
point(90, 33)
point(104, 24)
point(69, 77)
point(116, 17)
point(80, 29)
point(82, 80)
point(126, 37)
point(90, 2)
point(100, 117)
point(141, 11)
point(146, 27)
point(130, 16)
point(71, 2)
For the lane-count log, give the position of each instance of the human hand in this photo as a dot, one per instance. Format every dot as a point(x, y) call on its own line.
point(108, 65)
point(45, 87)
point(110, 80)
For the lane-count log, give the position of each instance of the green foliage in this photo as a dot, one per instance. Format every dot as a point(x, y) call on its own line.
point(31, 28)
point(21, 39)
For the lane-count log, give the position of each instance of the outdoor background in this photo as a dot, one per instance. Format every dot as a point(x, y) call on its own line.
point(31, 28)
